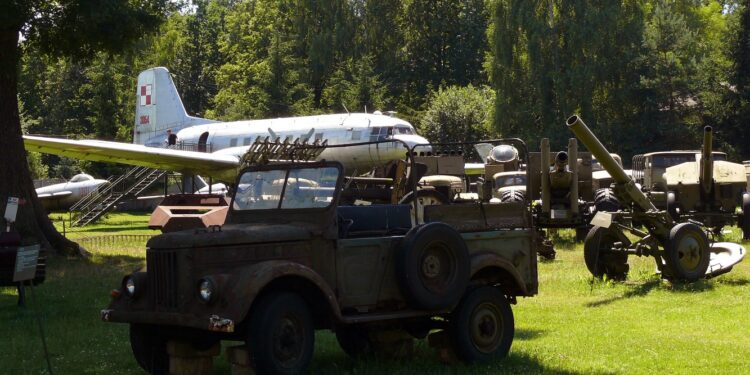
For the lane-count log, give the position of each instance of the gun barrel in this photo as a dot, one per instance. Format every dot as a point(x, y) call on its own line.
point(707, 160)
point(561, 160)
point(584, 134)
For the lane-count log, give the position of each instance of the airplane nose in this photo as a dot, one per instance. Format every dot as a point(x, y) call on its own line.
point(412, 140)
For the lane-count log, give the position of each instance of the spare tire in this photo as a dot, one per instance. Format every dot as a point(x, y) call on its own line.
point(432, 266)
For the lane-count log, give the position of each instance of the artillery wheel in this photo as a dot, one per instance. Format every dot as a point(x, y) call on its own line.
point(432, 266)
point(426, 197)
point(149, 349)
point(599, 258)
point(281, 336)
point(605, 200)
point(582, 232)
point(687, 252)
point(482, 328)
point(673, 208)
point(745, 218)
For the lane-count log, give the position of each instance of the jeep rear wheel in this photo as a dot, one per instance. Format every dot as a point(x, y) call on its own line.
point(149, 349)
point(482, 327)
point(432, 266)
point(281, 337)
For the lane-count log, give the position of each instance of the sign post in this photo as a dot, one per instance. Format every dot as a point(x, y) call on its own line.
point(11, 211)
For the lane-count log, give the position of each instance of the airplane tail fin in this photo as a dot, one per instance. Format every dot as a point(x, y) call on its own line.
point(158, 107)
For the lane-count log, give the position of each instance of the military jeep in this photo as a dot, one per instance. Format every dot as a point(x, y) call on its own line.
point(291, 260)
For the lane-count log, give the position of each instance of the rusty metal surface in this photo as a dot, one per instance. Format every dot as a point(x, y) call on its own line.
point(234, 234)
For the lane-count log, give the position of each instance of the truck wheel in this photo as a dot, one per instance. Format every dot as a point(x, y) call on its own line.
point(149, 349)
point(432, 266)
point(745, 218)
point(599, 258)
point(606, 201)
point(427, 197)
point(687, 254)
point(482, 328)
point(281, 335)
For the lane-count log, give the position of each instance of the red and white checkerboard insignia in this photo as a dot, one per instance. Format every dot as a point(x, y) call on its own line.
point(146, 95)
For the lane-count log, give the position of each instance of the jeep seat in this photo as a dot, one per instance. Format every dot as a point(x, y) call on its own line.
point(363, 221)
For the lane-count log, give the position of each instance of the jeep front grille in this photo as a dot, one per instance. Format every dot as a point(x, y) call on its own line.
point(162, 278)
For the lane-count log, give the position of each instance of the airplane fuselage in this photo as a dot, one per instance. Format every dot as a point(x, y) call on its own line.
point(235, 137)
point(66, 194)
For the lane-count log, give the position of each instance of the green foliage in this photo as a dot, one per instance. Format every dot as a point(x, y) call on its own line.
point(355, 87)
point(36, 167)
point(445, 42)
point(458, 113)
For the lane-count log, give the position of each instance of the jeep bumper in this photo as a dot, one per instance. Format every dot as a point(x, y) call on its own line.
point(212, 323)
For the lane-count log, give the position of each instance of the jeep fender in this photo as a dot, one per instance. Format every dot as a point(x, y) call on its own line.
point(482, 266)
point(254, 279)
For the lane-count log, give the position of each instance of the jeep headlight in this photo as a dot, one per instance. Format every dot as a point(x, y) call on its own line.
point(206, 289)
point(134, 284)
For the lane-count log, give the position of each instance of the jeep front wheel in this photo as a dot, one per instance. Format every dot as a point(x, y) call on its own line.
point(149, 349)
point(281, 337)
point(482, 327)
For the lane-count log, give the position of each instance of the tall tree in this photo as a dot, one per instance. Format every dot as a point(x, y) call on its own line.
point(445, 44)
point(76, 28)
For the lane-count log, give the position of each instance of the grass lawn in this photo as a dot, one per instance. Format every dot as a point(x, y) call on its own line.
point(643, 325)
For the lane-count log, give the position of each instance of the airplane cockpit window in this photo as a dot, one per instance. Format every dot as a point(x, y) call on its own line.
point(401, 129)
point(300, 188)
point(81, 177)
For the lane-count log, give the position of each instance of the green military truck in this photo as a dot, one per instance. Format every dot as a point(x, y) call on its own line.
point(291, 259)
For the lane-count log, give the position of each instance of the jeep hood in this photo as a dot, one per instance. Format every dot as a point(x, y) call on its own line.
point(234, 234)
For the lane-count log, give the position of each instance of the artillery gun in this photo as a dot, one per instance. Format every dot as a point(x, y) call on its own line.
point(682, 250)
point(562, 188)
point(708, 191)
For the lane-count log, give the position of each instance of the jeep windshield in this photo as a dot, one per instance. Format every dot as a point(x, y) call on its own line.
point(295, 188)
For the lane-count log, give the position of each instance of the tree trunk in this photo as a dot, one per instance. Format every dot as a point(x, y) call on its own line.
point(32, 221)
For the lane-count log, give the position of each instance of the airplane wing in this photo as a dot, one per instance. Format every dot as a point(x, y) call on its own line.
point(222, 167)
point(56, 195)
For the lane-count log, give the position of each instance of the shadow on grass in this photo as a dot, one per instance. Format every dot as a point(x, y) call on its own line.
point(639, 290)
point(528, 334)
point(427, 362)
point(117, 261)
point(733, 282)
point(564, 239)
point(644, 288)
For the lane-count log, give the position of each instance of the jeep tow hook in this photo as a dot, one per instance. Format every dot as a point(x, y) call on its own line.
point(217, 324)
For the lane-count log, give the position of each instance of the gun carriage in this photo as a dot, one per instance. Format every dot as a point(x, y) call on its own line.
point(682, 250)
